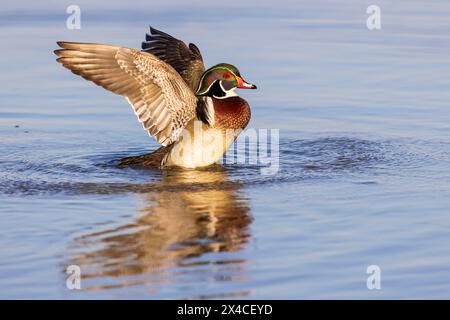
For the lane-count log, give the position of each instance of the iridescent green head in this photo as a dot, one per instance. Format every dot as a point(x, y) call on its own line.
point(221, 80)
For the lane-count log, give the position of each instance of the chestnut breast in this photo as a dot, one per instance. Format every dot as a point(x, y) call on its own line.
point(231, 113)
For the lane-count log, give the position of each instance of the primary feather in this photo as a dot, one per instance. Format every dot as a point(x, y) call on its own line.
point(186, 60)
point(161, 99)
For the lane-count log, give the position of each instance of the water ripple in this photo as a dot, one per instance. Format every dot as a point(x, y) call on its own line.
point(300, 160)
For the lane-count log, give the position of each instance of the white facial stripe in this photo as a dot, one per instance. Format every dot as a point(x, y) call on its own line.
point(228, 93)
point(209, 87)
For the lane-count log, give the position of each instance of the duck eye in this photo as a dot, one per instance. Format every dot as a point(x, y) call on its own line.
point(226, 75)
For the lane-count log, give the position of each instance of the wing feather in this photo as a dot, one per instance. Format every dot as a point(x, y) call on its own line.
point(186, 60)
point(160, 98)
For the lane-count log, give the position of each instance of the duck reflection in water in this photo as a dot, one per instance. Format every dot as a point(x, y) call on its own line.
point(187, 214)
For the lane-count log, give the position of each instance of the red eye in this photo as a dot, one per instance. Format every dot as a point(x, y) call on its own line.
point(226, 75)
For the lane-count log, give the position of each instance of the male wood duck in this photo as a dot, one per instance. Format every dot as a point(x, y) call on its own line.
point(194, 114)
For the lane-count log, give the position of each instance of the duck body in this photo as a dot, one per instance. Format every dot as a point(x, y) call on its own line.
point(203, 143)
point(194, 113)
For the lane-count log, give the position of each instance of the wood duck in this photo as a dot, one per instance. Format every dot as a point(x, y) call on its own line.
point(195, 114)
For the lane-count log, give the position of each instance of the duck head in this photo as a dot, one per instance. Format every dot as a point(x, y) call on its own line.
point(221, 81)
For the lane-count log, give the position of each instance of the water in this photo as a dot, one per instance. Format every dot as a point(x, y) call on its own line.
point(364, 158)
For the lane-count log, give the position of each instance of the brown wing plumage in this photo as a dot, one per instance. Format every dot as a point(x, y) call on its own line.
point(162, 101)
point(186, 60)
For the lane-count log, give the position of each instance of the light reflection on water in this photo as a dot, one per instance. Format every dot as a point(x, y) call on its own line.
point(201, 215)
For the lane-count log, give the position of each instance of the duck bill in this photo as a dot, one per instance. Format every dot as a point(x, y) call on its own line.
point(242, 84)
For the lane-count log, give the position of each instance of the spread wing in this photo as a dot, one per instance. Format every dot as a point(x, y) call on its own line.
point(187, 60)
point(162, 101)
